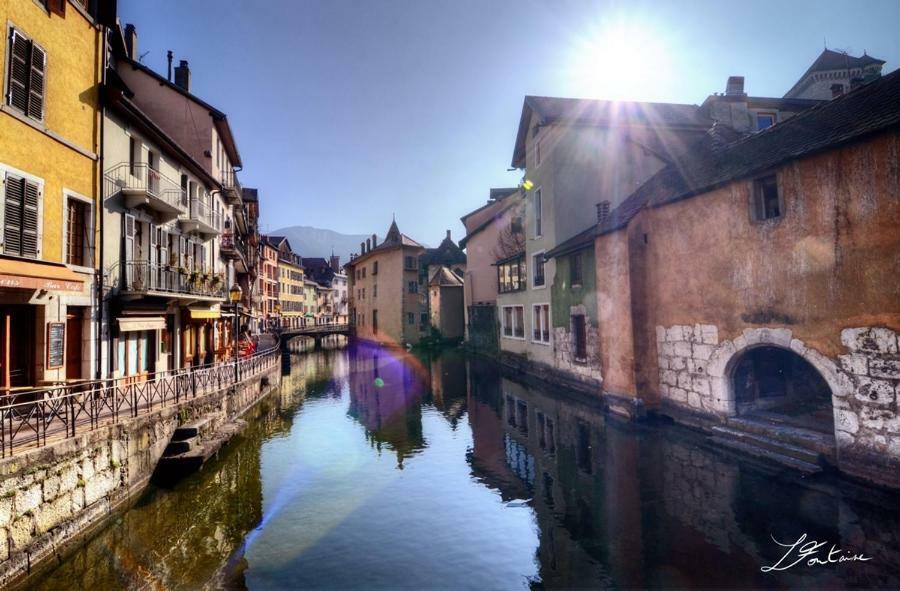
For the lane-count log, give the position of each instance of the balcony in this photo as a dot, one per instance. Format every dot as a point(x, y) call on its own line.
point(232, 188)
point(142, 186)
point(145, 278)
point(202, 218)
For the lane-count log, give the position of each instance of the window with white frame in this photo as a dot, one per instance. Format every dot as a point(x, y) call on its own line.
point(22, 200)
point(514, 322)
point(26, 66)
point(538, 213)
point(540, 323)
point(537, 270)
point(79, 231)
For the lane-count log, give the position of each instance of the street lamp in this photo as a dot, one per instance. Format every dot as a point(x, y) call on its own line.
point(278, 316)
point(234, 294)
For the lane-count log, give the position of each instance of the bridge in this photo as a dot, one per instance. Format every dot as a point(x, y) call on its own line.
point(317, 332)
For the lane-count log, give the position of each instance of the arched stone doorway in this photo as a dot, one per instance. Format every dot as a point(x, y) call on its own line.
point(775, 383)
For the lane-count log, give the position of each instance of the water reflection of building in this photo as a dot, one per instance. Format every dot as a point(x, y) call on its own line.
point(448, 385)
point(652, 507)
point(386, 391)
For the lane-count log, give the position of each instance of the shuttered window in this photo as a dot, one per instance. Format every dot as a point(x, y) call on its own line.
point(27, 64)
point(21, 204)
point(77, 227)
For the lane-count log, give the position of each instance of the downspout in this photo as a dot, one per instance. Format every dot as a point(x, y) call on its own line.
point(100, 266)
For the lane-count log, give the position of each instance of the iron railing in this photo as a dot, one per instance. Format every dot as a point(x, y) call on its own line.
point(144, 276)
point(141, 178)
point(202, 211)
point(29, 419)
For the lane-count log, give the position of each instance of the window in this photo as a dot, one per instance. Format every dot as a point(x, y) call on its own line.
point(541, 323)
point(409, 263)
point(537, 267)
point(410, 318)
point(511, 275)
point(413, 287)
point(26, 66)
point(375, 268)
point(766, 200)
point(78, 233)
point(21, 207)
point(575, 269)
point(764, 120)
point(538, 214)
point(364, 272)
point(424, 319)
point(374, 291)
point(514, 322)
point(579, 331)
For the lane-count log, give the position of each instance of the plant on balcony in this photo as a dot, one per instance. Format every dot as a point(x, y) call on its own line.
point(182, 271)
point(217, 280)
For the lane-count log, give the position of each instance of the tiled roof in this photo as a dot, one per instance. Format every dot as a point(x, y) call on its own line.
point(444, 277)
point(835, 60)
point(868, 109)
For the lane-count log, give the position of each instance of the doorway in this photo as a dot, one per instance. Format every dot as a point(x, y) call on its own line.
point(74, 342)
point(17, 346)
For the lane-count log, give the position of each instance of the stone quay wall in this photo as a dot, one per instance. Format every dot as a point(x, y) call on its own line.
point(53, 498)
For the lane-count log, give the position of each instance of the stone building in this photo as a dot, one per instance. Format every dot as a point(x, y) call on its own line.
point(834, 73)
point(787, 338)
point(291, 286)
point(269, 310)
point(445, 303)
point(387, 300)
point(490, 232)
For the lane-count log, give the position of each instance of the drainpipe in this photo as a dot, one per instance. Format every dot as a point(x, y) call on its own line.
point(98, 370)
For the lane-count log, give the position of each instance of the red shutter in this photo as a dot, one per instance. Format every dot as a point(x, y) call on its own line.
point(36, 83)
point(18, 72)
point(12, 215)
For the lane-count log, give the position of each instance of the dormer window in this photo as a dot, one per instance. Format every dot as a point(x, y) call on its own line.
point(764, 120)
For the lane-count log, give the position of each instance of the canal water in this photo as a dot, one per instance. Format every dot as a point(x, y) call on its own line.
point(374, 469)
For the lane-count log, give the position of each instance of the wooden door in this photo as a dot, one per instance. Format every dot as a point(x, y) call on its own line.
point(74, 343)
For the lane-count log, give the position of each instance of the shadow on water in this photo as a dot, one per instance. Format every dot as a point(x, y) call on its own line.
point(412, 472)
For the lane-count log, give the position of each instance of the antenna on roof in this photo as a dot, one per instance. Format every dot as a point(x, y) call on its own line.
point(824, 43)
point(142, 56)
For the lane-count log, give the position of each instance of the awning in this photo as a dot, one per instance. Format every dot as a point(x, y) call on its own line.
point(19, 274)
point(141, 323)
point(199, 314)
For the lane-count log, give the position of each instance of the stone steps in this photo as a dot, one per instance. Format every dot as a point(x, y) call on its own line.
point(768, 444)
point(821, 443)
point(189, 430)
point(764, 454)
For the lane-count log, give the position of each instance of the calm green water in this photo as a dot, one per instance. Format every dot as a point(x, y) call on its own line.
point(379, 470)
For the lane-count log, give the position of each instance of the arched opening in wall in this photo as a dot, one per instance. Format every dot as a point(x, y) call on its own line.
point(775, 383)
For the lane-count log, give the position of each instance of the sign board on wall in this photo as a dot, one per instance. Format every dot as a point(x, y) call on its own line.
point(56, 344)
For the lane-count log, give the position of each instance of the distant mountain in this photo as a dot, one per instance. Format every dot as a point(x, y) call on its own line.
point(318, 242)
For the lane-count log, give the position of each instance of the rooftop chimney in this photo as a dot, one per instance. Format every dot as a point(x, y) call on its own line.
point(169, 59)
point(131, 41)
point(362, 248)
point(602, 211)
point(368, 244)
point(374, 240)
point(837, 90)
point(735, 86)
point(448, 234)
point(183, 76)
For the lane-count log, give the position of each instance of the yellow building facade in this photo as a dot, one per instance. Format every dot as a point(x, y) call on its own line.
point(49, 167)
point(290, 290)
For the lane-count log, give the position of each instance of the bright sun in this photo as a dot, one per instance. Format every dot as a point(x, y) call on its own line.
point(619, 61)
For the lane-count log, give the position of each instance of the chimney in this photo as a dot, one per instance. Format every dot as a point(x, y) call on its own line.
point(837, 90)
point(602, 211)
point(735, 86)
point(131, 47)
point(183, 76)
point(374, 240)
point(368, 244)
point(362, 248)
point(169, 59)
point(448, 235)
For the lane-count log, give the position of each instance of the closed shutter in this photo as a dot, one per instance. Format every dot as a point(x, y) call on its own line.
point(203, 258)
point(30, 220)
point(152, 256)
point(128, 236)
point(18, 72)
point(36, 82)
point(12, 215)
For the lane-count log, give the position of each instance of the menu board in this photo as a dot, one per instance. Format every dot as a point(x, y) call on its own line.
point(56, 344)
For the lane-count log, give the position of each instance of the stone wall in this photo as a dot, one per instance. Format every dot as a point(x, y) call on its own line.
point(682, 353)
point(564, 348)
point(866, 420)
point(52, 497)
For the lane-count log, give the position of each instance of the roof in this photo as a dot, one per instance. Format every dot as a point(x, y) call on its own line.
point(447, 253)
point(835, 60)
point(274, 241)
point(580, 241)
point(603, 113)
point(218, 116)
point(505, 205)
point(393, 239)
point(496, 195)
point(248, 194)
point(869, 109)
point(444, 277)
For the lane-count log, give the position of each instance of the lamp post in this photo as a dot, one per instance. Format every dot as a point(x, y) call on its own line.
point(278, 317)
point(234, 294)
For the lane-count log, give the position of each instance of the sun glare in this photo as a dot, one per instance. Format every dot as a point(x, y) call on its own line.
point(620, 61)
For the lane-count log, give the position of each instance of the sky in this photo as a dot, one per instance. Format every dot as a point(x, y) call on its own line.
point(347, 113)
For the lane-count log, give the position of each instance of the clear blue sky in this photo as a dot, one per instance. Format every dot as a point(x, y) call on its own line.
point(348, 111)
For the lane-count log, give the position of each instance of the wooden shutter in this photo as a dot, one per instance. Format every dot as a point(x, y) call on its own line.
point(18, 72)
point(36, 82)
point(128, 236)
point(30, 245)
point(12, 215)
point(57, 7)
point(152, 257)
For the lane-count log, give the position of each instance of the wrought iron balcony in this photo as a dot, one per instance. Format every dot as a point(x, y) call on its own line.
point(146, 278)
point(141, 185)
point(232, 188)
point(202, 218)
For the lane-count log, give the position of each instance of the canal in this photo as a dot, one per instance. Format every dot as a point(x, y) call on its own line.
point(378, 469)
